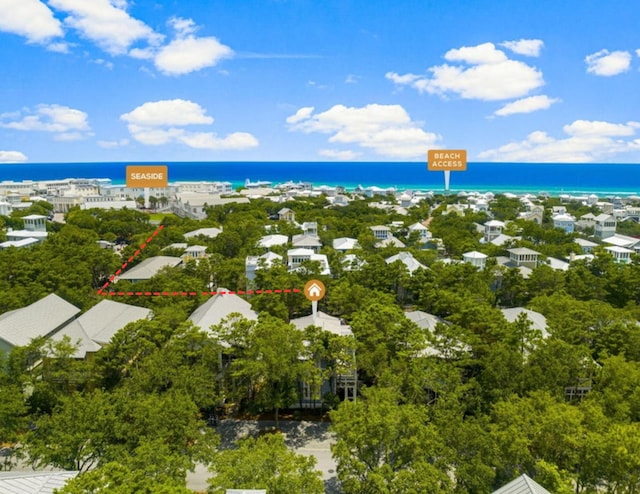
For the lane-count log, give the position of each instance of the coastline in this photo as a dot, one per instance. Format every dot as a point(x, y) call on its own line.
point(554, 179)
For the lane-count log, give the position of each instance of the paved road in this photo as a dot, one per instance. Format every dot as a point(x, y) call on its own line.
point(307, 438)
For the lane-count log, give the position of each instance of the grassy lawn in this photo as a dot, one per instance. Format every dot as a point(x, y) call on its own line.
point(159, 216)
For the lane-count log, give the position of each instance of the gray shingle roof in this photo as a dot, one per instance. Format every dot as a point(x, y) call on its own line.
point(42, 318)
point(522, 485)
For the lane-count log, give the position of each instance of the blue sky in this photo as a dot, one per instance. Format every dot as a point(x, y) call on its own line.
point(302, 80)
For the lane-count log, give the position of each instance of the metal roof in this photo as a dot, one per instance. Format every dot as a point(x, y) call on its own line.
point(149, 267)
point(522, 485)
point(33, 482)
point(18, 327)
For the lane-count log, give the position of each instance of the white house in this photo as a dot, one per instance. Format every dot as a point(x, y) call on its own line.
point(219, 306)
point(344, 244)
point(295, 257)
point(381, 232)
point(35, 227)
point(423, 231)
point(620, 254)
point(408, 260)
point(305, 241)
point(492, 229)
point(605, 225)
point(253, 263)
point(195, 252)
point(564, 221)
point(475, 258)
point(269, 241)
point(310, 228)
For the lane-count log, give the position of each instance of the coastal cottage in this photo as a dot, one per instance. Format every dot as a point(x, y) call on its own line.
point(564, 221)
point(605, 225)
point(475, 258)
point(492, 229)
point(406, 258)
point(253, 263)
point(150, 267)
point(286, 214)
point(620, 254)
point(523, 256)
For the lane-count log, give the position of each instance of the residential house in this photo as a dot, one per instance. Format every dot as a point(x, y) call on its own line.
point(220, 306)
point(565, 222)
point(96, 327)
point(345, 244)
point(286, 214)
point(344, 384)
point(310, 228)
point(475, 258)
point(587, 246)
point(40, 319)
point(5, 208)
point(34, 228)
point(538, 321)
point(620, 254)
point(623, 241)
point(406, 258)
point(423, 231)
point(492, 229)
point(295, 257)
point(304, 241)
point(352, 262)
point(210, 232)
point(196, 252)
point(383, 234)
point(269, 241)
point(253, 263)
point(605, 225)
point(149, 268)
point(523, 256)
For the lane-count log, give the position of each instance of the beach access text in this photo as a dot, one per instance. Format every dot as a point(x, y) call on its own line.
point(447, 160)
point(147, 176)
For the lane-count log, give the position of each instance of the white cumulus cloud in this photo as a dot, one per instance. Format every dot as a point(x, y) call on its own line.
point(106, 23)
point(387, 130)
point(113, 144)
point(190, 54)
point(12, 157)
point(187, 52)
point(174, 112)
point(65, 123)
point(528, 47)
point(482, 72)
point(29, 18)
point(526, 105)
point(162, 122)
point(585, 141)
point(607, 63)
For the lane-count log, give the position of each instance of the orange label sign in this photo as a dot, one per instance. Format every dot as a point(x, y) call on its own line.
point(454, 160)
point(314, 290)
point(147, 176)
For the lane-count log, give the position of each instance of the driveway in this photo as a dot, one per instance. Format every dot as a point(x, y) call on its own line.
point(305, 437)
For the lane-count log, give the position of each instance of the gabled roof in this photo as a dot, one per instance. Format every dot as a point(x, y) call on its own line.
point(474, 254)
point(149, 267)
point(214, 310)
point(523, 251)
point(304, 240)
point(42, 318)
point(345, 243)
point(98, 325)
point(33, 482)
point(423, 320)
point(522, 485)
point(390, 241)
point(408, 260)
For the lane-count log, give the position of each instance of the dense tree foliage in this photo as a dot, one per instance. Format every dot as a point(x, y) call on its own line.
point(464, 406)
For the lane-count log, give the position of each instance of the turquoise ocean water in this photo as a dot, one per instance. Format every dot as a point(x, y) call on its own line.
point(602, 179)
